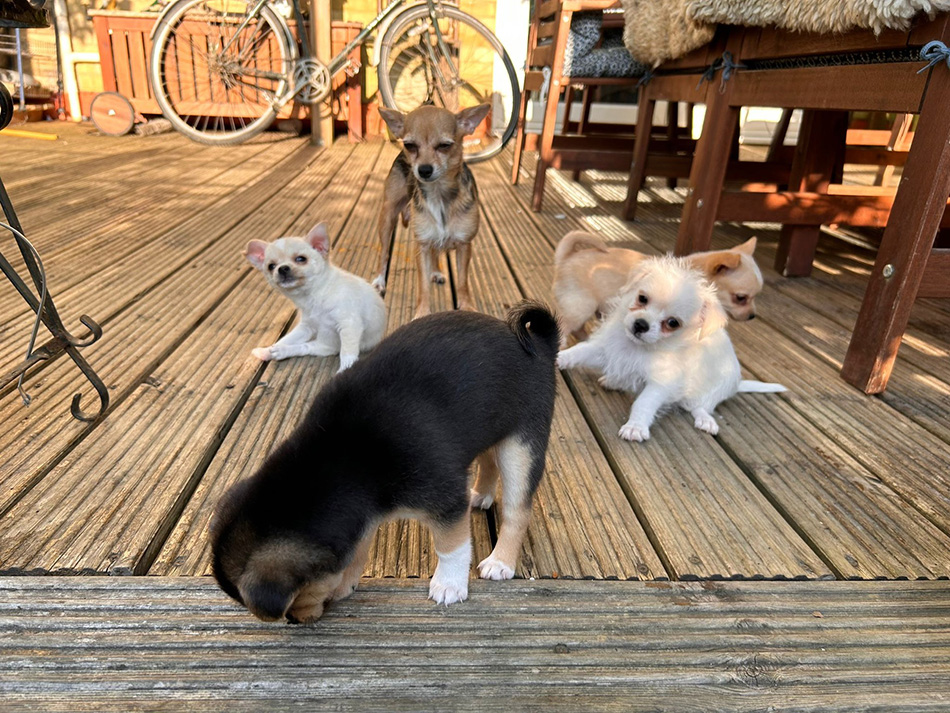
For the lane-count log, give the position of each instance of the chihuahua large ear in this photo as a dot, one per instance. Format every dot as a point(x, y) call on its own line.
point(468, 120)
point(748, 247)
point(319, 239)
point(396, 121)
point(712, 316)
point(254, 252)
point(716, 263)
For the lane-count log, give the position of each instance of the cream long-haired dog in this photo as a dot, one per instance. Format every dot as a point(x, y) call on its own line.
point(665, 337)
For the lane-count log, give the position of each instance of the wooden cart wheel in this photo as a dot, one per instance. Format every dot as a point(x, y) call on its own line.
point(112, 114)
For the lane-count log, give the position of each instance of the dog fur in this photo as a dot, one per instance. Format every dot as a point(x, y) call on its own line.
point(665, 337)
point(340, 313)
point(394, 436)
point(430, 186)
point(588, 274)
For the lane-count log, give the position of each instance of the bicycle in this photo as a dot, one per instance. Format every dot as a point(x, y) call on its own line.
point(221, 70)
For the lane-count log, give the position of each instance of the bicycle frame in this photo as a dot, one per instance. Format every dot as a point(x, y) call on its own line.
point(341, 60)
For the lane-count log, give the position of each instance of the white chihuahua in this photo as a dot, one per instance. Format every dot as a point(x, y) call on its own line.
point(340, 313)
point(665, 334)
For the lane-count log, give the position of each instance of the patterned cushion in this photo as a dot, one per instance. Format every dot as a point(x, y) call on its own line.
point(583, 58)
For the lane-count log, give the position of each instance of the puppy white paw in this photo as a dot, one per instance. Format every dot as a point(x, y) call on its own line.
point(480, 501)
point(447, 592)
point(380, 284)
point(706, 422)
point(343, 591)
point(634, 432)
point(565, 359)
point(492, 568)
point(346, 362)
point(438, 278)
point(262, 353)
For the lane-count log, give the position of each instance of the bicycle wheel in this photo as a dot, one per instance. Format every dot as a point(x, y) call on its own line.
point(215, 73)
point(473, 68)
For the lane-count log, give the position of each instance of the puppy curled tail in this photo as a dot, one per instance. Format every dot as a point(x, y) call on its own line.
point(535, 326)
point(577, 240)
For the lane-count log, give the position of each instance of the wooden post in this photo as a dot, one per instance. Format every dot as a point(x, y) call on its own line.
point(641, 147)
point(907, 244)
point(821, 143)
point(321, 120)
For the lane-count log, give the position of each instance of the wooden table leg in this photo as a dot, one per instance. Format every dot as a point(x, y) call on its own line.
point(906, 246)
point(821, 144)
point(707, 174)
point(641, 146)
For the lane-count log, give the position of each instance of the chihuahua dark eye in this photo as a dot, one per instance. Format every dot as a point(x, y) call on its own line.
point(643, 299)
point(445, 146)
point(410, 147)
point(300, 259)
point(740, 299)
point(271, 266)
point(672, 323)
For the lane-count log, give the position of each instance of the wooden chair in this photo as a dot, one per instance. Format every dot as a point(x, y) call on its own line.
point(580, 145)
point(907, 265)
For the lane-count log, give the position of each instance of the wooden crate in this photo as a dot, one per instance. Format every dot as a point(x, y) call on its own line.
point(125, 45)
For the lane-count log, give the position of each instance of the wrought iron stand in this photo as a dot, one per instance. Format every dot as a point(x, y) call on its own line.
point(18, 14)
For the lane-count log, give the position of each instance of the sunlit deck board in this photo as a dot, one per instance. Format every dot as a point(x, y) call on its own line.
point(277, 403)
point(90, 263)
point(833, 446)
point(144, 318)
point(705, 517)
point(154, 447)
point(582, 525)
point(78, 644)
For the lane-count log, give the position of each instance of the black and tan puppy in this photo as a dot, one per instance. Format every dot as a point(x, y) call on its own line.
point(394, 436)
point(430, 186)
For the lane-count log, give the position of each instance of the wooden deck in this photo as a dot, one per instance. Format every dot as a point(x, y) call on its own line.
point(823, 483)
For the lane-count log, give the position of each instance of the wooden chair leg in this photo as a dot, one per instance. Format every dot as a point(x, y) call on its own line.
point(546, 144)
point(778, 138)
point(587, 99)
point(906, 245)
point(820, 147)
point(672, 130)
point(641, 147)
point(896, 141)
point(568, 103)
point(707, 174)
point(520, 138)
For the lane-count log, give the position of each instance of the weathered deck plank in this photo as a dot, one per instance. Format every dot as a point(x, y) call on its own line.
point(85, 269)
point(151, 320)
point(837, 500)
point(75, 644)
point(706, 520)
point(582, 525)
point(189, 387)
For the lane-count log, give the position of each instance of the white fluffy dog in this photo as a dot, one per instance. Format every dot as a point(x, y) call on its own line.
point(665, 337)
point(340, 313)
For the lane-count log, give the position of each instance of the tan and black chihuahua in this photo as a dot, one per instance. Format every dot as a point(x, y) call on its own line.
point(431, 187)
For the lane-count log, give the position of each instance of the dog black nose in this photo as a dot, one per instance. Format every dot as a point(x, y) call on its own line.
point(751, 316)
point(425, 171)
point(640, 326)
point(283, 270)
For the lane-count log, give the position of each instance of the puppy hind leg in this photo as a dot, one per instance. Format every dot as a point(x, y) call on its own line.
point(483, 491)
point(463, 258)
point(423, 304)
point(520, 472)
point(453, 545)
point(705, 421)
